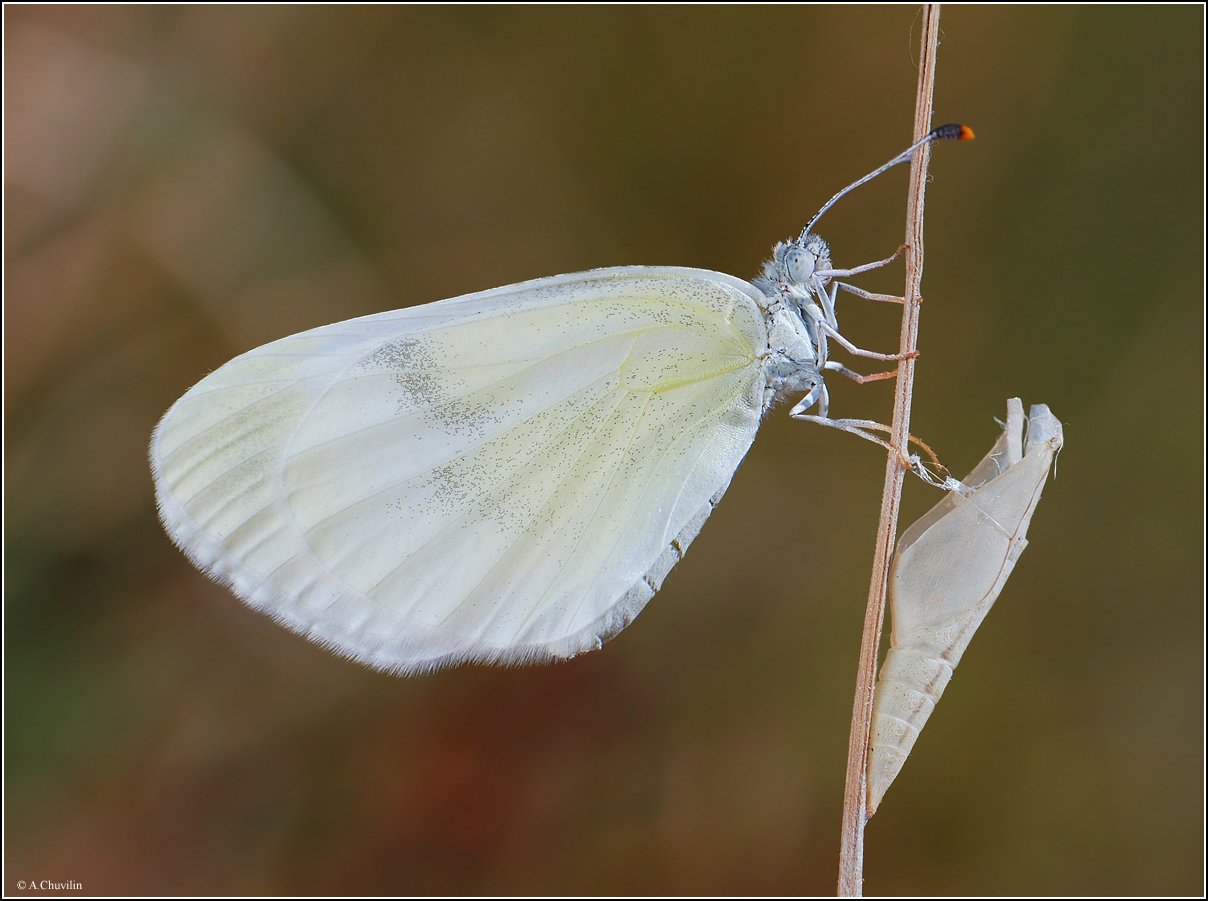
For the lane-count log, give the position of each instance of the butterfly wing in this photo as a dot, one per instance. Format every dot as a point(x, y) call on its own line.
point(502, 477)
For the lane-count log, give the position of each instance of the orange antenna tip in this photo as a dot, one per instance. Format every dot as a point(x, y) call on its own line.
point(951, 132)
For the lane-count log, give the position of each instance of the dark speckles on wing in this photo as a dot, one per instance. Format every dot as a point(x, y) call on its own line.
point(429, 385)
point(413, 364)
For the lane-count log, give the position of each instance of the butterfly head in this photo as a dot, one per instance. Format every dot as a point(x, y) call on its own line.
point(796, 264)
point(802, 259)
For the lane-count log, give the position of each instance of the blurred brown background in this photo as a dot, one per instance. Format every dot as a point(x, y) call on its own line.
point(185, 183)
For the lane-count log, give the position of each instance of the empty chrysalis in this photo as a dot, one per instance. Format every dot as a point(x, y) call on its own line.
point(948, 570)
point(503, 477)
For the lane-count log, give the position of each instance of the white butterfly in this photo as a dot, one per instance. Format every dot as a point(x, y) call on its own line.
point(503, 477)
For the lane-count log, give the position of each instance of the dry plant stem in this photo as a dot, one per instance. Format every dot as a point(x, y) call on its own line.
point(855, 793)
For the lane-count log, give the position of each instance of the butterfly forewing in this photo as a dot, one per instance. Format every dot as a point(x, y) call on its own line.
point(505, 476)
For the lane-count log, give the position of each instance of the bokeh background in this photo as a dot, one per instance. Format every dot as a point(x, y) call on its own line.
point(185, 183)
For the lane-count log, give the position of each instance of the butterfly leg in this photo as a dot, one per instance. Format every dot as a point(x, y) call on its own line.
point(823, 316)
point(856, 270)
point(857, 377)
point(863, 428)
point(858, 427)
point(860, 352)
point(869, 295)
point(828, 305)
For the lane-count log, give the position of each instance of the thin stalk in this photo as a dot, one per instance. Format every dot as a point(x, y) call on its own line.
point(855, 792)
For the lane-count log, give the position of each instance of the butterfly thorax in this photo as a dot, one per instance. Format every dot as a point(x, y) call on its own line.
point(791, 282)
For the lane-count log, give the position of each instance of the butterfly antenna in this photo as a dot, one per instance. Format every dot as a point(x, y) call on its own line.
point(950, 132)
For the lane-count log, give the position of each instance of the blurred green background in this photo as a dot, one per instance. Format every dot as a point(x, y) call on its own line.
point(185, 183)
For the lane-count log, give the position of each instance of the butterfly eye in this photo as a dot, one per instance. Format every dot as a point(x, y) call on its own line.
point(799, 265)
